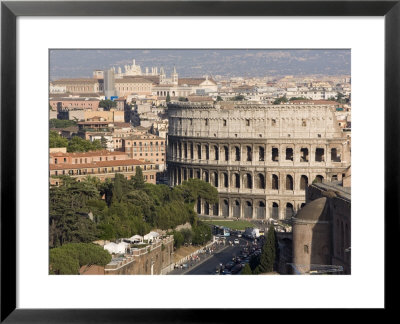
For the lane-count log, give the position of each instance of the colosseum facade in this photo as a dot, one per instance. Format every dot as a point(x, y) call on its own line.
point(260, 157)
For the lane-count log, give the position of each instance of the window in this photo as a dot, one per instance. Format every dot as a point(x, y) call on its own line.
point(306, 249)
point(303, 182)
point(206, 122)
point(247, 122)
point(261, 153)
point(319, 155)
point(224, 122)
point(273, 122)
point(289, 154)
point(275, 154)
point(334, 155)
point(304, 154)
point(303, 123)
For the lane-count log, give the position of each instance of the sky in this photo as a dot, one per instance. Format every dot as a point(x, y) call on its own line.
point(196, 63)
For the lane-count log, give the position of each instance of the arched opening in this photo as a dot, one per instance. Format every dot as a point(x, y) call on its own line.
point(225, 180)
point(215, 176)
point(216, 155)
point(261, 154)
point(248, 181)
point(215, 209)
point(236, 209)
point(248, 210)
point(185, 150)
point(275, 182)
point(248, 151)
point(184, 174)
point(205, 176)
point(226, 151)
point(289, 210)
point(319, 178)
point(191, 151)
point(199, 151)
point(237, 153)
point(260, 181)
point(303, 182)
point(304, 154)
point(199, 206)
point(236, 179)
point(261, 210)
point(207, 152)
point(206, 208)
point(225, 208)
point(275, 211)
point(180, 150)
point(289, 182)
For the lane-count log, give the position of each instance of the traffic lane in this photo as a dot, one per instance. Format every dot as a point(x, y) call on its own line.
point(209, 267)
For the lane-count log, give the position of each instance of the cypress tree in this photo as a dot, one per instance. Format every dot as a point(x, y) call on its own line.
point(246, 270)
point(268, 253)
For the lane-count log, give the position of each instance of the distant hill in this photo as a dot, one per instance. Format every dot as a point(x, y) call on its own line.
point(193, 63)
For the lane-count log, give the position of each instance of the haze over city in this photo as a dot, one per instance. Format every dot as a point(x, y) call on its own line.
point(214, 62)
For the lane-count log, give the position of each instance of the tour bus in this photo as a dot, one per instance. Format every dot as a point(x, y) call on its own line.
point(221, 230)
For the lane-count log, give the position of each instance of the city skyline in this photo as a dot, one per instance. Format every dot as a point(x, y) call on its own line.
point(199, 62)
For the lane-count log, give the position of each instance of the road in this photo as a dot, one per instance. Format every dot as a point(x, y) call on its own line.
point(209, 266)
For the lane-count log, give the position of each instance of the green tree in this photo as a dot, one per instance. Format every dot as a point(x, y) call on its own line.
point(238, 98)
point(138, 179)
point(61, 123)
point(219, 98)
point(178, 239)
point(103, 142)
point(339, 97)
point(183, 99)
point(297, 98)
point(246, 270)
point(280, 100)
point(78, 144)
point(70, 257)
point(168, 99)
point(107, 104)
point(268, 253)
point(201, 234)
point(55, 140)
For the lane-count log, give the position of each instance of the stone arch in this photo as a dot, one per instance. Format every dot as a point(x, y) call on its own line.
point(261, 153)
point(261, 210)
point(224, 180)
point(247, 180)
point(260, 181)
point(215, 179)
point(249, 153)
point(226, 153)
point(289, 182)
point(235, 180)
point(206, 208)
point(303, 182)
point(216, 153)
point(275, 182)
point(248, 209)
point(236, 151)
point(206, 176)
point(275, 210)
point(236, 209)
point(199, 151)
point(319, 178)
point(225, 208)
point(289, 211)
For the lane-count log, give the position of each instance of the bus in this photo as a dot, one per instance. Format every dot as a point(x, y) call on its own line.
point(221, 230)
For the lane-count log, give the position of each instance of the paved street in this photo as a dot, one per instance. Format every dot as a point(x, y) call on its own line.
point(209, 263)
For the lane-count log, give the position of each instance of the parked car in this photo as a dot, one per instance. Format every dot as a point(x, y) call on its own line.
point(226, 272)
point(236, 241)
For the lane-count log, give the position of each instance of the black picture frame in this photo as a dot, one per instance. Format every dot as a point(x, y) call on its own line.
point(10, 10)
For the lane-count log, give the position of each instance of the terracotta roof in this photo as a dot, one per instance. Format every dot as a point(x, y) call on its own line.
point(121, 124)
point(86, 154)
point(82, 80)
point(97, 164)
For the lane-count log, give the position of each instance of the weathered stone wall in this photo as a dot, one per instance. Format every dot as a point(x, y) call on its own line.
point(157, 257)
point(231, 146)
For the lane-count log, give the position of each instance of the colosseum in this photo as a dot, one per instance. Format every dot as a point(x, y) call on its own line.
point(260, 157)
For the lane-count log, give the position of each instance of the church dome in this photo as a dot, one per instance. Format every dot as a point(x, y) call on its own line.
point(313, 211)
